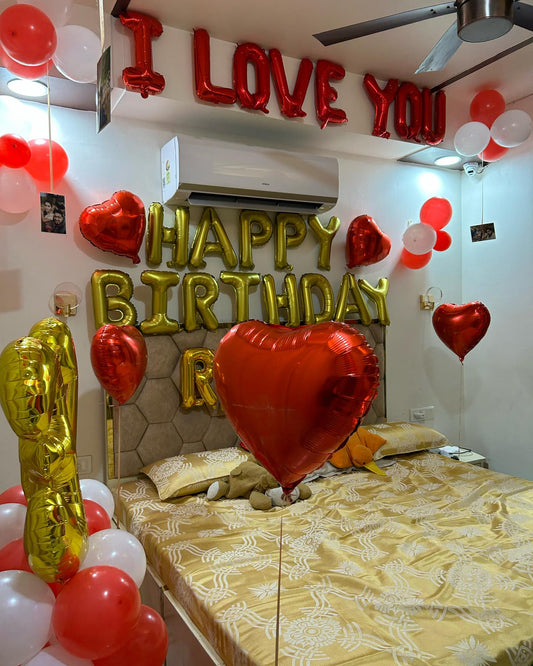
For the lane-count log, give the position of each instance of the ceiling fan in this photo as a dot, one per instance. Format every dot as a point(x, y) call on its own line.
point(477, 21)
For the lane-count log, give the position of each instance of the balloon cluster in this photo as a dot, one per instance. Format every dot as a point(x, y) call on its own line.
point(492, 130)
point(96, 617)
point(21, 163)
point(421, 239)
point(33, 36)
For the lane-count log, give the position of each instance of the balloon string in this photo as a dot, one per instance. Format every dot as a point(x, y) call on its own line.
point(49, 127)
point(461, 405)
point(102, 24)
point(119, 512)
point(482, 203)
point(279, 589)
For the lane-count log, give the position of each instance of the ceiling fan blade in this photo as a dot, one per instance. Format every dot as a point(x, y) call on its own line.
point(523, 15)
point(338, 35)
point(443, 50)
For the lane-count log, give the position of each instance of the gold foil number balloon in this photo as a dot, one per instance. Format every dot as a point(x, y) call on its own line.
point(38, 393)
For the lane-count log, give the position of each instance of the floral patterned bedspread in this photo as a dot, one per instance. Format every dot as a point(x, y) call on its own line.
point(432, 564)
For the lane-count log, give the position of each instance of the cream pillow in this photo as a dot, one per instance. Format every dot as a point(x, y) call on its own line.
point(193, 473)
point(402, 437)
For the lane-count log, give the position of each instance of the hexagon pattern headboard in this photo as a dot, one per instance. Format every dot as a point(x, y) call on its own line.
point(153, 424)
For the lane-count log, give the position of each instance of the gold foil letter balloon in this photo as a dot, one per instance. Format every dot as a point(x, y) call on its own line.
point(38, 393)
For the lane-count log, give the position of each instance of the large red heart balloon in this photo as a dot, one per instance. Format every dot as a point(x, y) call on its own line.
point(118, 357)
point(461, 327)
point(365, 242)
point(294, 395)
point(116, 225)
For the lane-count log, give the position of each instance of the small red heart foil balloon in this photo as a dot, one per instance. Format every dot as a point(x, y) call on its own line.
point(294, 395)
point(116, 225)
point(119, 357)
point(461, 327)
point(365, 242)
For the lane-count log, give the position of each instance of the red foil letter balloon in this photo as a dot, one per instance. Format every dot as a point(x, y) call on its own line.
point(365, 242)
point(116, 225)
point(119, 357)
point(141, 78)
point(461, 327)
point(294, 395)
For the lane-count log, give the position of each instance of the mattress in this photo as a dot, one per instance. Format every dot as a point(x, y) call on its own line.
point(431, 564)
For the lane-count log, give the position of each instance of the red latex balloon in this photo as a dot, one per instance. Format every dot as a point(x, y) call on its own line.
point(13, 495)
point(97, 517)
point(147, 645)
point(118, 357)
point(12, 556)
point(290, 105)
point(461, 327)
point(116, 225)
point(486, 106)
point(415, 261)
point(15, 151)
point(296, 394)
point(493, 152)
point(254, 55)
point(27, 34)
point(443, 242)
point(408, 103)
point(433, 121)
point(39, 164)
point(382, 99)
point(325, 93)
point(96, 611)
point(205, 89)
point(365, 242)
point(141, 78)
point(436, 212)
point(24, 71)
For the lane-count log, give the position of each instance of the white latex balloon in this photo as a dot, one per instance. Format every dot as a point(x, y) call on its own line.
point(116, 548)
point(77, 53)
point(511, 128)
point(56, 10)
point(27, 603)
point(55, 655)
point(12, 517)
point(471, 139)
point(18, 193)
point(419, 238)
point(94, 490)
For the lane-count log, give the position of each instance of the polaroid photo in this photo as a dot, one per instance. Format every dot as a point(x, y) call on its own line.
point(53, 218)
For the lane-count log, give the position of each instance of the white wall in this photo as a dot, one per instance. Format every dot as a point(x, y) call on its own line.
point(499, 371)
point(126, 156)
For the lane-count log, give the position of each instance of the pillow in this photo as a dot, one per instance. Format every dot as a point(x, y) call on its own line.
point(193, 473)
point(401, 437)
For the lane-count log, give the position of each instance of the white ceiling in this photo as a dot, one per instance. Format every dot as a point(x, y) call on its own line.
point(289, 25)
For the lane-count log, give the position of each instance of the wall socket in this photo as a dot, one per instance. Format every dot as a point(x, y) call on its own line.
point(85, 464)
point(421, 414)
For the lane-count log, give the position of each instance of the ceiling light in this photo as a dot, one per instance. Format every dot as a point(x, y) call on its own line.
point(447, 160)
point(27, 88)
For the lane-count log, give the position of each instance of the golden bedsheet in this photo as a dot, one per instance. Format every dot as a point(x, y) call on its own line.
point(432, 564)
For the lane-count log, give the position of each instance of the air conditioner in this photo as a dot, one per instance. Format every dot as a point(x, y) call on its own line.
point(218, 173)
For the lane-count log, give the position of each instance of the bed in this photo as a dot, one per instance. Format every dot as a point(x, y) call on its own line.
point(431, 563)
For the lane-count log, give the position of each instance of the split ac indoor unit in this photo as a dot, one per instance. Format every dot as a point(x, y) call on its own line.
point(218, 173)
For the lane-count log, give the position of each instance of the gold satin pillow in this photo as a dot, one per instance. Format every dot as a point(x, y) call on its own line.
point(193, 473)
point(402, 437)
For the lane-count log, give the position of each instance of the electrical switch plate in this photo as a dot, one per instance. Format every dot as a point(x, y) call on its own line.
point(421, 414)
point(85, 464)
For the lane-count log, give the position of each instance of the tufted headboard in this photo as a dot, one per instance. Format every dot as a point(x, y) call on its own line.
point(153, 424)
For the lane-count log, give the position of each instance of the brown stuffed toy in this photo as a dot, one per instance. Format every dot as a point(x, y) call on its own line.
point(251, 480)
point(358, 451)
